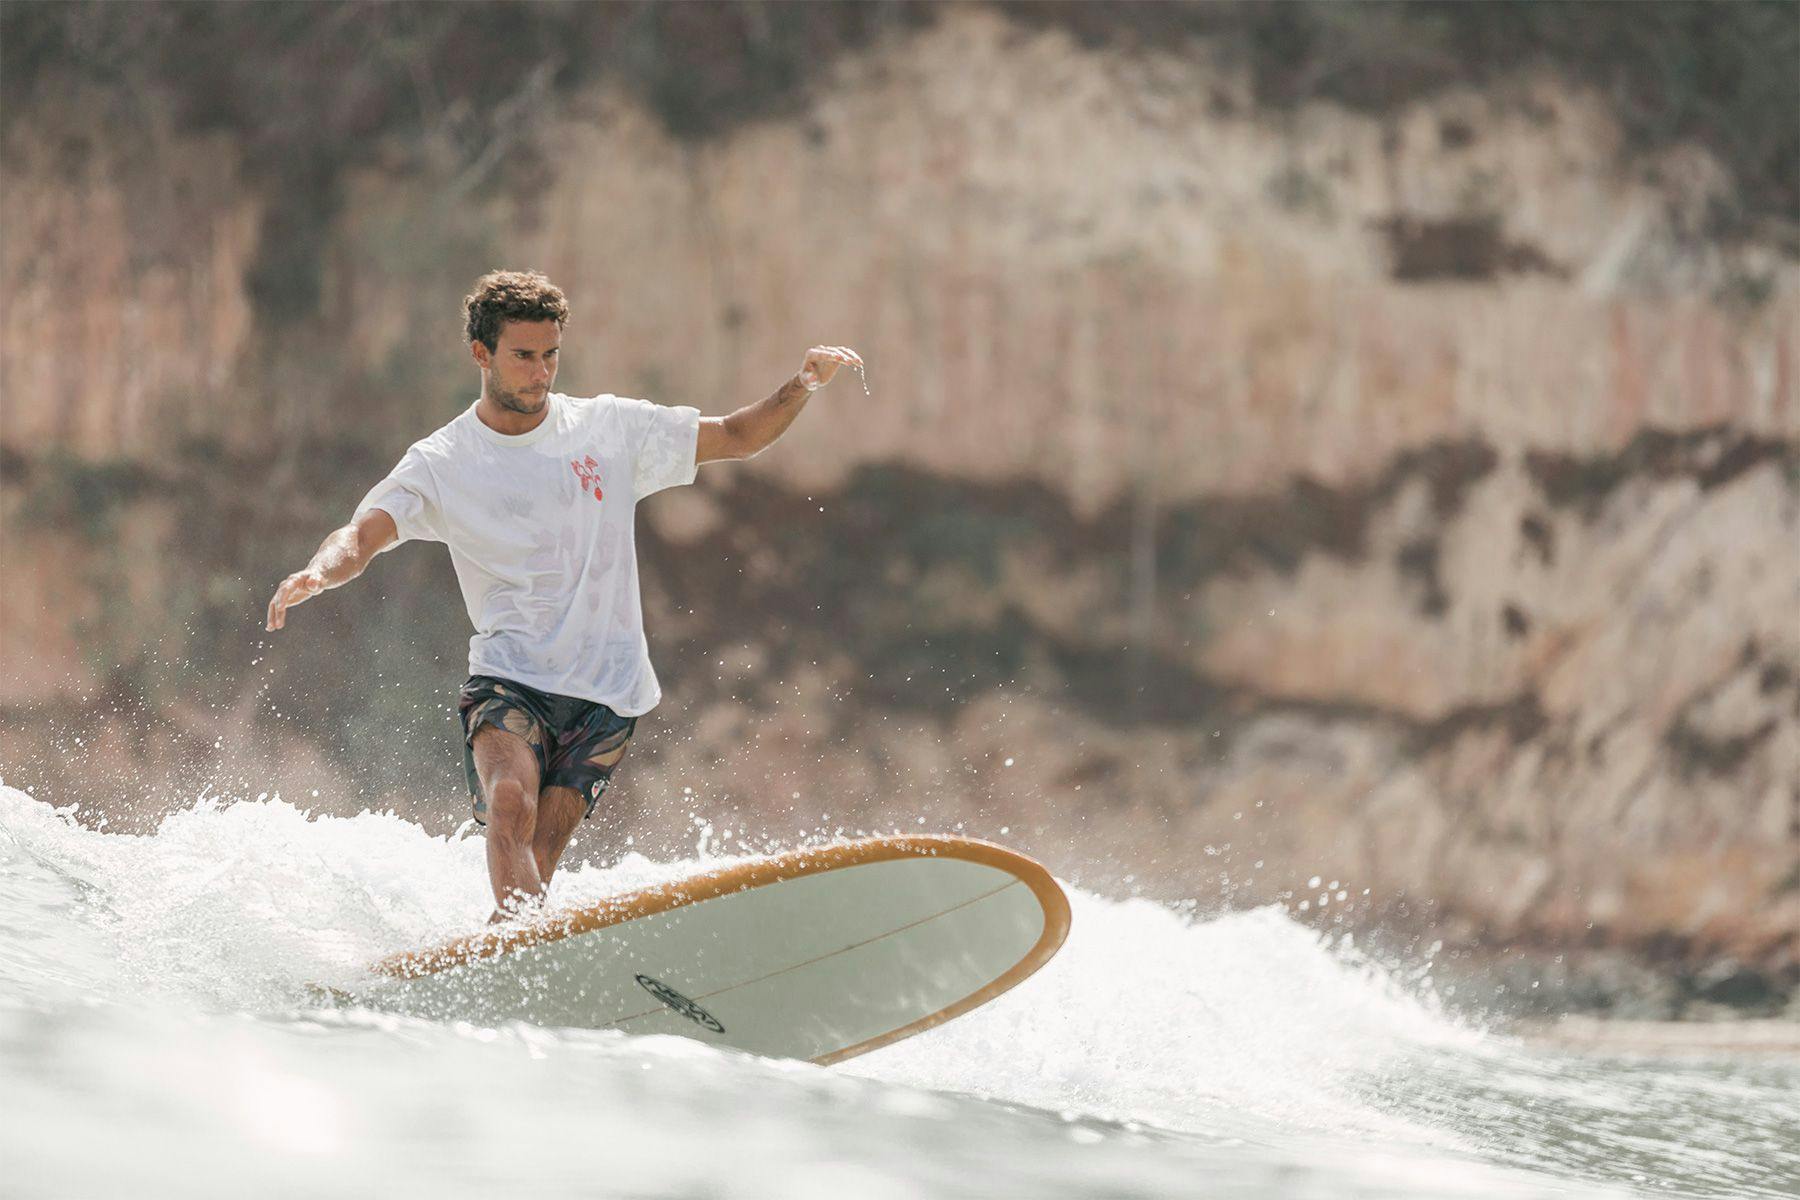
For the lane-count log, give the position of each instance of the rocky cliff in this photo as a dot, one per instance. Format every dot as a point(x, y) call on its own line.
point(1392, 514)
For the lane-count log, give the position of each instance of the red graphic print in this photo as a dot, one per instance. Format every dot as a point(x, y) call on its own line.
point(588, 471)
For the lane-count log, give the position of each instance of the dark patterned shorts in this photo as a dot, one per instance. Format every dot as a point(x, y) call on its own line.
point(577, 742)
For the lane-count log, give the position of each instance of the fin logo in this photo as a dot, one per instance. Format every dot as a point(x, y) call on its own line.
point(680, 1003)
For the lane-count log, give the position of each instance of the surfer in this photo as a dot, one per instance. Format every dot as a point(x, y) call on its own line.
point(534, 493)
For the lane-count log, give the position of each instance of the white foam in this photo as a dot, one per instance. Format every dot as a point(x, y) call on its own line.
point(1145, 1014)
point(155, 985)
point(1149, 1015)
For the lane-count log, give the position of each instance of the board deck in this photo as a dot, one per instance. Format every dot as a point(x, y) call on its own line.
point(822, 953)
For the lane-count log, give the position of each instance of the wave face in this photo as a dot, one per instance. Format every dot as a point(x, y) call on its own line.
point(158, 1037)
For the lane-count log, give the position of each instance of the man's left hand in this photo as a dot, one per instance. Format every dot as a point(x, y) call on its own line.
point(822, 362)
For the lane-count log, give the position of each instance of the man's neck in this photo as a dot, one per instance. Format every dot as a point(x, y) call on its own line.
point(503, 420)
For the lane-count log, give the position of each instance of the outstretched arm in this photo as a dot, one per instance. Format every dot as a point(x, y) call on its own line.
point(754, 427)
point(340, 558)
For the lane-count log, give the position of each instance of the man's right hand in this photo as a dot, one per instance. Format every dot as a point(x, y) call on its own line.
point(341, 558)
point(297, 588)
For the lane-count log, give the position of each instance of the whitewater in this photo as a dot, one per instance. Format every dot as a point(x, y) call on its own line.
point(160, 1037)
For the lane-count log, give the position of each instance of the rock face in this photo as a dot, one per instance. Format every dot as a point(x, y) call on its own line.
point(1410, 502)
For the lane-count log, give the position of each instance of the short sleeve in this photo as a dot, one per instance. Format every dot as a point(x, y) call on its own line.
point(662, 440)
point(409, 495)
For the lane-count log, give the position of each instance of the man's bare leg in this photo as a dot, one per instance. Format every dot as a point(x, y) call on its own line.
point(560, 810)
point(508, 772)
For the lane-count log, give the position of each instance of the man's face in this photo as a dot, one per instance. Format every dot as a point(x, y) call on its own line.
point(521, 368)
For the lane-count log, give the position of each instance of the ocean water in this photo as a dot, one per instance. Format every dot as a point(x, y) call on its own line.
point(158, 1039)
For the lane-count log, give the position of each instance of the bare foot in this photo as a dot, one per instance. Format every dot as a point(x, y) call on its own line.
point(518, 908)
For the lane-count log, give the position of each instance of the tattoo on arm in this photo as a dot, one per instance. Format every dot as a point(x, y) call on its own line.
point(758, 425)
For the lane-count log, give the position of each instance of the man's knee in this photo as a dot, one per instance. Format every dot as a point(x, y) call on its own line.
point(511, 809)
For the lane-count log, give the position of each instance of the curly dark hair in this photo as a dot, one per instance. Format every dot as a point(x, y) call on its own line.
point(502, 296)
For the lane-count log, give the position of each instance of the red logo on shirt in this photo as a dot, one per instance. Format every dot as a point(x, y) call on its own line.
point(588, 471)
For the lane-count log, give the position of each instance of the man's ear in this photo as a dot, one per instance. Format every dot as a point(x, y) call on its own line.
point(483, 357)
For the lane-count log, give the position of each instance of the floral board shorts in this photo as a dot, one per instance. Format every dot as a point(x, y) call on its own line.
point(577, 742)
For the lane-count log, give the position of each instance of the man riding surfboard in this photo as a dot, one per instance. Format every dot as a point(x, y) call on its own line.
point(535, 494)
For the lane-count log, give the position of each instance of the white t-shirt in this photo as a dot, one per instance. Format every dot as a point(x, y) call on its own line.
point(540, 528)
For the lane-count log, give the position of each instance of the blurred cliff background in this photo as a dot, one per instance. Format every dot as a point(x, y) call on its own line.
point(1345, 456)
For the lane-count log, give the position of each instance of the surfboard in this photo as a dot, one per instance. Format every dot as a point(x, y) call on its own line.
point(821, 953)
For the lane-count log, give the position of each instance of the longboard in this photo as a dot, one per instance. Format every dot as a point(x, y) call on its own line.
point(819, 954)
